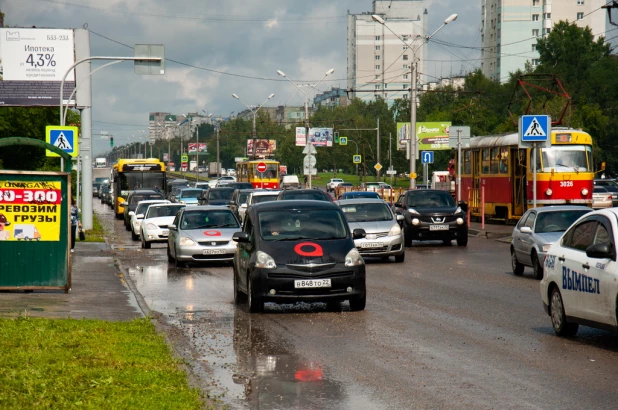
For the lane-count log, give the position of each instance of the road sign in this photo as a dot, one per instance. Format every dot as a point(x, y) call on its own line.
point(309, 149)
point(391, 172)
point(314, 171)
point(427, 157)
point(183, 164)
point(356, 159)
point(464, 135)
point(343, 140)
point(378, 166)
point(309, 161)
point(184, 158)
point(261, 167)
point(534, 128)
point(64, 138)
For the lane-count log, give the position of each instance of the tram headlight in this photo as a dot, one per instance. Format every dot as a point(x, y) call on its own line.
point(584, 192)
point(548, 192)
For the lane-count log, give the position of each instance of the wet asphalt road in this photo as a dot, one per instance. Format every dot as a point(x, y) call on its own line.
point(449, 328)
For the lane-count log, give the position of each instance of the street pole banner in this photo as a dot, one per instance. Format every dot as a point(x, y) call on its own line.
point(30, 211)
point(430, 136)
point(321, 137)
point(301, 136)
point(32, 64)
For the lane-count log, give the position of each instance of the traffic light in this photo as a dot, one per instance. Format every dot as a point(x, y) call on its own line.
point(336, 137)
point(111, 141)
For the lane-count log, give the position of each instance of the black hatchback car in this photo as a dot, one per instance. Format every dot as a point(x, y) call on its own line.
point(432, 214)
point(293, 251)
point(304, 194)
point(216, 196)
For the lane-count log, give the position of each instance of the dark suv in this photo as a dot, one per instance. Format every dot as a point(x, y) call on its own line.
point(304, 194)
point(216, 196)
point(432, 214)
point(132, 200)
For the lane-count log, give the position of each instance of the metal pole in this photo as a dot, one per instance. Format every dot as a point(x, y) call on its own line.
point(390, 155)
point(425, 171)
point(253, 154)
point(533, 175)
point(458, 165)
point(413, 125)
point(218, 167)
point(378, 148)
point(197, 153)
point(78, 172)
point(308, 138)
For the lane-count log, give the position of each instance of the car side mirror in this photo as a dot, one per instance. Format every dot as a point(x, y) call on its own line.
point(398, 204)
point(525, 229)
point(600, 251)
point(240, 237)
point(172, 227)
point(139, 216)
point(124, 204)
point(358, 233)
point(400, 217)
point(463, 206)
point(131, 213)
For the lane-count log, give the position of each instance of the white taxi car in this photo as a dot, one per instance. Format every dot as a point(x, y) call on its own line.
point(580, 281)
point(154, 226)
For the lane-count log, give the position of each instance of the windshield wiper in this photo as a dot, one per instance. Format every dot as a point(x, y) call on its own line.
point(225, 226)
point(296, 238)
point(574, 168)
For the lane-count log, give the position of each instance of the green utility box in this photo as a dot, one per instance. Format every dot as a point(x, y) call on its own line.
point(34, 226)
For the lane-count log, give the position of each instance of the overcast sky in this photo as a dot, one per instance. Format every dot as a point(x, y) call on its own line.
point(251, 38)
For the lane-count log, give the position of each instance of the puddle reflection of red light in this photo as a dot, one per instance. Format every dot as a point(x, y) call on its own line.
point(309, 375)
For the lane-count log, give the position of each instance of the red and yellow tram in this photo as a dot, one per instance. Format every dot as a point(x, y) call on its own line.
point(564, 173)
point(247, 171)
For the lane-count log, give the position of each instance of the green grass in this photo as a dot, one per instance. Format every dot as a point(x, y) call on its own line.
point(91, 364)
point(96, 234)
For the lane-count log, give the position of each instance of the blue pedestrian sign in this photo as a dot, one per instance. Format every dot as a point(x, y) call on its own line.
point(343, 140)
point(427, 157)
point(64, 138)
point(535, 128)
point(356, 159)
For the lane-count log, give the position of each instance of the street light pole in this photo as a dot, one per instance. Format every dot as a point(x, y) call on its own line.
point(413, 85)
point(254, 132)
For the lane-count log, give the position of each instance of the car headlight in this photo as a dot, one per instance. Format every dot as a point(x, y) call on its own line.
point(353, 258)
point(184, 241)
point(264, 260)
point(546, 247)
point(395, 230)
point(182, 202)
point(151, 226)
point(413, 211)
point(138, 223)
point(459, 210)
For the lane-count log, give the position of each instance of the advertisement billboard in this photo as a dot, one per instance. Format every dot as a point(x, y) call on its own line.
point(263, 148)
point(321, 137)
point(32, 64)
point(301, 136)
point(202, 148)
point(430, 136)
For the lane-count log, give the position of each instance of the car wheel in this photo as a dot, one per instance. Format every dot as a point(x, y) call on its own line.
point(400, 258)
point(536, 265)
point(253, 300)
point(518, 268)
point(177, 263)
point(170, 259)
point(407, 238)
point(134, 236)
point(447, 242)
point(239, 297)
point(462, 241)
point(145, 244)
point(558, 318)
point(333, 306)
point(358, 303)
point(127, 226)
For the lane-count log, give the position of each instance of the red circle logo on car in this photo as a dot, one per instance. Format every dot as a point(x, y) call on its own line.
point(317, 249)
point(212, 233)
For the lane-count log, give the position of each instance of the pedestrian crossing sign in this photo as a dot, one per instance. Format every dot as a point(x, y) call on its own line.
point(64, 138)
point(535, 128)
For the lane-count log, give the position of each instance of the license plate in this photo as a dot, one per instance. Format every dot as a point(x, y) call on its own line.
point(165, 233)
point(214, 251)
point(312, 283)
point(371, 245)
point(438, 227)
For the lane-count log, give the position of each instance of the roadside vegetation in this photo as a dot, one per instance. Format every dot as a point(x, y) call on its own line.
point(91, 364)
point(97, 233)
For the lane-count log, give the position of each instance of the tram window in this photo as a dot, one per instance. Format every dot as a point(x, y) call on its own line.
point(467, 162)
point(495, 160)
point(504, 160)
point(485, 162)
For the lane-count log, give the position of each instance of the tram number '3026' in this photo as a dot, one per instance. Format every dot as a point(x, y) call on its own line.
point(566, 184)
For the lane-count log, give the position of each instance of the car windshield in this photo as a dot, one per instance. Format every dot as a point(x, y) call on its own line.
point(429, 199)
point(299, 224)
point(141, 208)
point(367, 212)
point(162, 211)
point(145, 197)
point(242, 197)
point(220, 194)
point(256, 199)
point(190, 193)
point(208, 219)
point(351, 195)
point(315, 196)
point(558, 221)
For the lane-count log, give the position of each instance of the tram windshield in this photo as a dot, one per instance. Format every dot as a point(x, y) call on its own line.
point(565, 158)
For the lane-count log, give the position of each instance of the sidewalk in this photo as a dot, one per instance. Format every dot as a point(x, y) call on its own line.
point(98, 291)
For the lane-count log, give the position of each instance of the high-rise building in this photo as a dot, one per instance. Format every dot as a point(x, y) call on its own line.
point(379, 63)
point(510, 29)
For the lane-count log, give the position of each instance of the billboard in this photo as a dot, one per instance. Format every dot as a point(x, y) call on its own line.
point(321, 137)
point(301, 136)
point(202, 147)
point(263, 148)
point(32, 64)
point(431, 136)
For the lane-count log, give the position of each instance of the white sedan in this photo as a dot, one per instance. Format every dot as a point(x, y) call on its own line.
point(580, 283)
point(154, 226)
point(138, 215)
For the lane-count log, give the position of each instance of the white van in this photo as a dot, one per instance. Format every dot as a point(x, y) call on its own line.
point(289, 182)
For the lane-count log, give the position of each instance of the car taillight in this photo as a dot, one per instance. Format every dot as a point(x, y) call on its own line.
point(609, 198)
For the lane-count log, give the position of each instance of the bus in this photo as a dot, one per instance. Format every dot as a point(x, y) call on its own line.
point(129, 174)
point(564, 173)
point(246, 171)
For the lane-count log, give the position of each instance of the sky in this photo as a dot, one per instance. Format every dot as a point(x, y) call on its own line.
point(220, 47)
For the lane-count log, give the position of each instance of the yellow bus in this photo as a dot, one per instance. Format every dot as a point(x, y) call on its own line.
point(130, 174)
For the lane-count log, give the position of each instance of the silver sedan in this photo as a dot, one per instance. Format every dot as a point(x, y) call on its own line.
point(536, 231)
point(202, 234)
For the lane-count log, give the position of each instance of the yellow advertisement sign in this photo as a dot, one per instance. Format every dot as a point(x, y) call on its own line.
point(30, 211)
